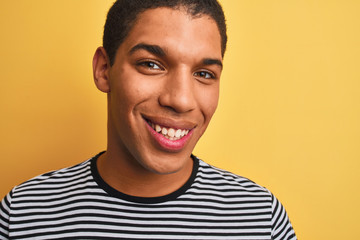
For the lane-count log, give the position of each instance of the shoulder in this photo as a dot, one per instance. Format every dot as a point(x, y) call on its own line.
point(54, 179)
point(36, 191)
point(226, 184)
point(217, 176)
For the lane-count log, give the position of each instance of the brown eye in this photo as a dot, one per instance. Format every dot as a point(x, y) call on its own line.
point(150, 65)
point(204, 74)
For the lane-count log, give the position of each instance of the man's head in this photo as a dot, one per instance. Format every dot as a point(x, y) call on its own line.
point(162, 83)
point(124, 13)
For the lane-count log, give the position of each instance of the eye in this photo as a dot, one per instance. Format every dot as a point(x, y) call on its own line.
point(204, 74)
point(150, 65)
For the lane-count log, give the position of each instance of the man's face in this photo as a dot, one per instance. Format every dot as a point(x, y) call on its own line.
point(164, 88)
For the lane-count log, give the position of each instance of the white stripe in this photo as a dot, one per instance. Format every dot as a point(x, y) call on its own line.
point(220, 205)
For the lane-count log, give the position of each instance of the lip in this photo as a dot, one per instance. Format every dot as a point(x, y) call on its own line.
point(165, 143)
point(170, 123)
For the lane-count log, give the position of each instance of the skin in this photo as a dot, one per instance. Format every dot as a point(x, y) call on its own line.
point(166, 71)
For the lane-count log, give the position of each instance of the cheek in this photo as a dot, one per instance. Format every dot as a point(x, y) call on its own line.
point(128, 91)
point(208, 101)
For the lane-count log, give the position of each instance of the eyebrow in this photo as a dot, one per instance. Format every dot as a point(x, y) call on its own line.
point(154, 49)
point(211, 61)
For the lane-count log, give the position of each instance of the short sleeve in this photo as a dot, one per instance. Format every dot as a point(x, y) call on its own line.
point(281, 226)
point(5, 216)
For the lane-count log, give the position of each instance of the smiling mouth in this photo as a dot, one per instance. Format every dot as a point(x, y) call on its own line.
point(168, 132)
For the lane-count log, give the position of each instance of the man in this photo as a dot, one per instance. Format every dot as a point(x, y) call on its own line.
point(160, 67)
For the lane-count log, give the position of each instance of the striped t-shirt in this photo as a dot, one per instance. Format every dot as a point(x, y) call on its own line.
point(76, 203)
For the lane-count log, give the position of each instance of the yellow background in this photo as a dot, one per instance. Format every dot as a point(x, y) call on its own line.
point(288, 117)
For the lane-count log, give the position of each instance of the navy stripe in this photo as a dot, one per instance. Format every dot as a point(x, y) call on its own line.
point(75, 203)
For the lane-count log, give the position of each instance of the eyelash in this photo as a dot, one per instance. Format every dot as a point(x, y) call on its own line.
point(149, 64)
point(204, 73)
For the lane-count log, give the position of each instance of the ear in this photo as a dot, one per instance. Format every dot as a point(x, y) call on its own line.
point(101, 67)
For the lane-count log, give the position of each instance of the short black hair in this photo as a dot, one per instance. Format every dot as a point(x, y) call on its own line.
point(123, 14)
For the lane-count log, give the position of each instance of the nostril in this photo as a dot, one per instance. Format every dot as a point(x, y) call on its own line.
point(178, 101)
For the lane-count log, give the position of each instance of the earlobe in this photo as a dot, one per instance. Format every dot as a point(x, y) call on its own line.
point(101, 66)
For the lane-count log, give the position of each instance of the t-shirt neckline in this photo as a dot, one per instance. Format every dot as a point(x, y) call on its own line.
point(146, 200)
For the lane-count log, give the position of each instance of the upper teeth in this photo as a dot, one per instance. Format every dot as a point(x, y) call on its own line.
point(170, 133)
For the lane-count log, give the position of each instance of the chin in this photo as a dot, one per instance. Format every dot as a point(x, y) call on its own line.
point(166, 165)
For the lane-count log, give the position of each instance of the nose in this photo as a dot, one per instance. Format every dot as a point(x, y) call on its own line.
point(178, 91)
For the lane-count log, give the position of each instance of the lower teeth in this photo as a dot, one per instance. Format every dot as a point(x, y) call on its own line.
point(171, 138)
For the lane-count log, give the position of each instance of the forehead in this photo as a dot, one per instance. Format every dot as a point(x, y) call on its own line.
point(175, 29)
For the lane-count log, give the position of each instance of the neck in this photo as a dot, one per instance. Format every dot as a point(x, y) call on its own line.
point(129, 177)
